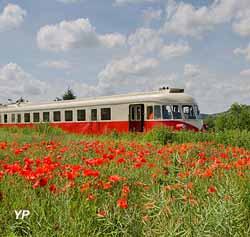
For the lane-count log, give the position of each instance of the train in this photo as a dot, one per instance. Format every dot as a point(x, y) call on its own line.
point(133, 112)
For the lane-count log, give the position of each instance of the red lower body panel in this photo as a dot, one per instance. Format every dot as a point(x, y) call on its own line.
point(106, 127)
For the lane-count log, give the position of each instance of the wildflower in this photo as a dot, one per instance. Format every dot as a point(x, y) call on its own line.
point(89, 172)
point(115, 178)
point(211, 189)
point(102, 214)
point(91, 197)
point(122, 203)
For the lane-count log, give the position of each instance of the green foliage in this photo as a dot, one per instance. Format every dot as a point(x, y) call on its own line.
point(69, 95)
point(160, 134)
point(238, 117)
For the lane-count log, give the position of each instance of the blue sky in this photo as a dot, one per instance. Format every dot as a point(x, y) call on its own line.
point(103, 47)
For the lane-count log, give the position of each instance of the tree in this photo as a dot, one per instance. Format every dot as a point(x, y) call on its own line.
point(68, 95)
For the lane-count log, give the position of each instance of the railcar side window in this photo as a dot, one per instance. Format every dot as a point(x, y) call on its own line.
point(13, 118)
point(5, 118)
point(197, 111)
point(150, 114)
point(27, 117)
point(68, 115)
point(19, 118)
point(176, 112)
point(93, 114)
point(166, 112)
point(157, 112)
point(81, 115)
point(56, 116)
point(188, 111)
point(45, 116)
point(106, 114)
point(36, 117)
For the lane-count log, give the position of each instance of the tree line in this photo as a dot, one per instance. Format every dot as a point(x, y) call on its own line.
point(236, 118)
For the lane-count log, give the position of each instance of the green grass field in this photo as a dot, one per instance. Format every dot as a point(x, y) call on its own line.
point(155, 184)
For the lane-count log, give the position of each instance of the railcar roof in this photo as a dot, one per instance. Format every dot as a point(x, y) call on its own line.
point(163, 96)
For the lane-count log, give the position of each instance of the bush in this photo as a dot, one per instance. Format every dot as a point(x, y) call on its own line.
point(160, 134)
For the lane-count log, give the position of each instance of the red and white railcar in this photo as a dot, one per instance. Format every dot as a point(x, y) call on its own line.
point(131, 112)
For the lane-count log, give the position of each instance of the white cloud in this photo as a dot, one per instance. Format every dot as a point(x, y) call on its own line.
point(144, 40)
point(186, 20)
point(245, 52)
point(15, 82)
point(60, 65)
point(11, 17)
point(119, 74)
point(175, 50)
point(242, 24)
point(245, 73)
point(120, 69)
point(150, 15)
point(124, 2)
point(148, 41)
point(191, 70)
point(69, 1)
point(112, 40)
point(75, 34)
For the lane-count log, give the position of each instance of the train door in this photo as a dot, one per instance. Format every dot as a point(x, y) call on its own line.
point(136, 117)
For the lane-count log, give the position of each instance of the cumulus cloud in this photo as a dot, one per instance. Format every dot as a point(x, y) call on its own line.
point(150, 15)
point(175, 50)
point(120, 71)
point(68, 1)
point(75, 34)
point(148, 41)
point(242, 24)
point(11, 17)
point(144, 40)
point(216, 93)
point(124, 2)
point(243, 51)
point(15, 82)
point(186, 20)
point(245, 73)
point(191, 70)
point(57, 64)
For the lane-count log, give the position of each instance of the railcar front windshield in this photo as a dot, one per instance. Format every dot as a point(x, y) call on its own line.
point(189, 112)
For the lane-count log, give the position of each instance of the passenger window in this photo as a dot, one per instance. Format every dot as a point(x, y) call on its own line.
point(19, 118)
point(56, 116)
point(13, 118)
point(157, 112)
point(93, 114)
point(68, 115)
point(81, 115)
point(166, 112)
point(105, 114)
point(188, 111)
point(36, 117)
point(46, 117)
point(5, 118)
point(27, 117)
point(197, 111)
point(176, 112)
point(150, 114)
